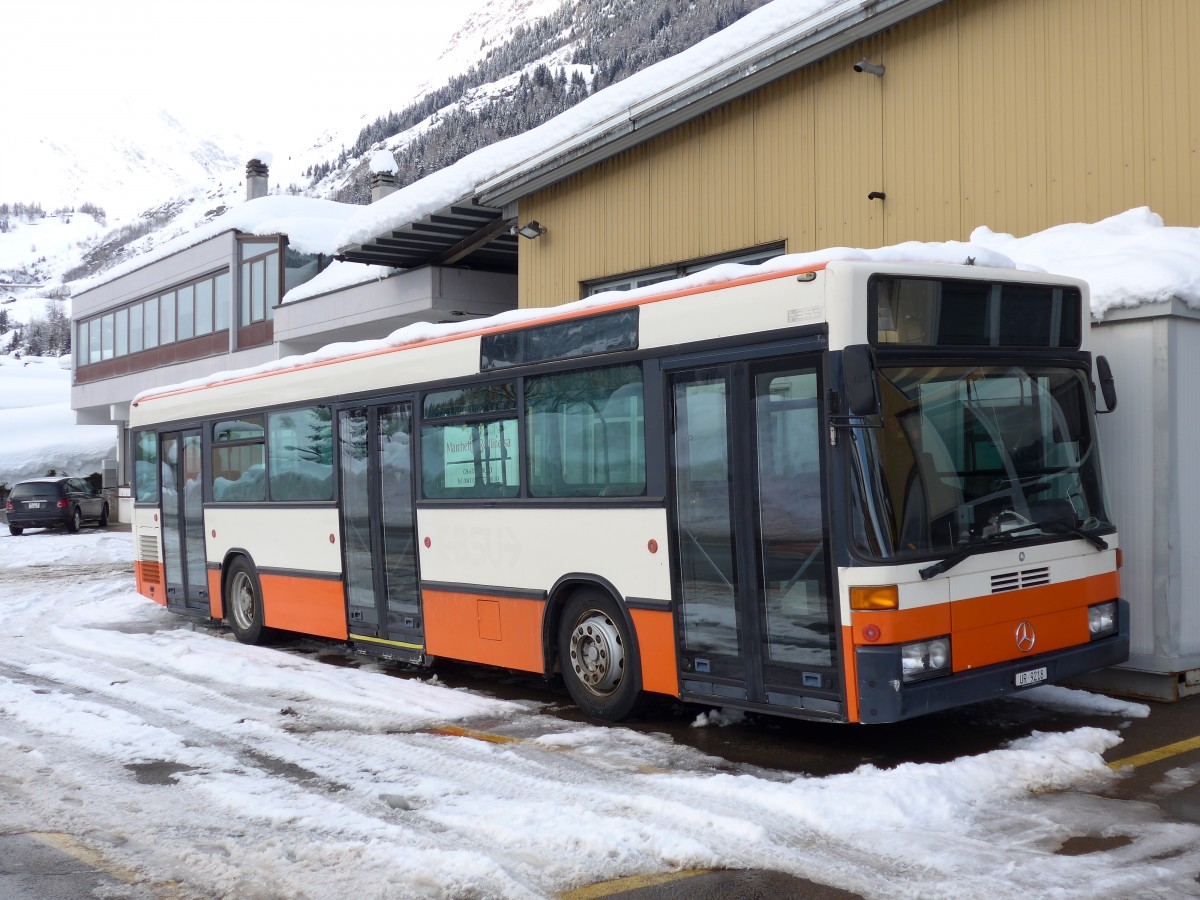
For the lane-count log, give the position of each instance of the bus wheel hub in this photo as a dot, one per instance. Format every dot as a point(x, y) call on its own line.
point(596, 654)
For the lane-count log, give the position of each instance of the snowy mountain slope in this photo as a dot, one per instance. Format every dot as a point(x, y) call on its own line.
point(156, 180)
point(123, 163)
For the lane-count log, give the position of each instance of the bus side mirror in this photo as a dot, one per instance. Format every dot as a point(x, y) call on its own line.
point(1108, 388)
point(858, 374)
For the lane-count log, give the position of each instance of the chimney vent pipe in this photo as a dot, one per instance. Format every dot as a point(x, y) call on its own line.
point(257, 176)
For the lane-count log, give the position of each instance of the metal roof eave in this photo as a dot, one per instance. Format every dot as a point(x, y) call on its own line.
point(799, 46)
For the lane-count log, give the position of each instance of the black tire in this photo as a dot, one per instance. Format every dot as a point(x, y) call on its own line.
point(598, 659)
point(76, 522)
point(243, 603)
point(15, 530)
point(103, 523)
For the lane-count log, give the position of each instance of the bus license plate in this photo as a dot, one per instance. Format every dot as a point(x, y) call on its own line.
point(1033, 676)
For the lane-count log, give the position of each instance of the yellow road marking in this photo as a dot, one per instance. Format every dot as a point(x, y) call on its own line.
point(631, 883)
point(455, 731)
point(64, 843)
point(1152, 756)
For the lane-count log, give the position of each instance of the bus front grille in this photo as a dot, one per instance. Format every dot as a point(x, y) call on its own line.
point(1015, 581)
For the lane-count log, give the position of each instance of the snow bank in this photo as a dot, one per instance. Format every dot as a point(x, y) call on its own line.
point(1128, 260)
point(39, 427)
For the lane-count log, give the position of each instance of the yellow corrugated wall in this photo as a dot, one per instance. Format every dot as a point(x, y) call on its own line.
point(1016, 114)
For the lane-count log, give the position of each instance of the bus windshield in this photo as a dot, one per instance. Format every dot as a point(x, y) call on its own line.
point(967, 454)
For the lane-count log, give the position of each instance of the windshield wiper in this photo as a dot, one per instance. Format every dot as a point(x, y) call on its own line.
point(966, 552)
point(1064, 528)
point(984, 544)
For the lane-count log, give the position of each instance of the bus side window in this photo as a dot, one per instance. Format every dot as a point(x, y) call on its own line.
point(586, 433)
point(470, 459)
point(145, 467)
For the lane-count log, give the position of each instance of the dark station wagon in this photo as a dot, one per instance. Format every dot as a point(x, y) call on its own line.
point(51, 502)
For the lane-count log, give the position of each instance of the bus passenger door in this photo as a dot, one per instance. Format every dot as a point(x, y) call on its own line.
point(380, 558)
point(183, 521)
point(756, 623)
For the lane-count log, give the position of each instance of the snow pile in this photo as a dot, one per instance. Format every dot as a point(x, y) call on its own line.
point(1128, 260)
point(271, 774)
point(39, 427)
point(383, 162)
point(1054, 696)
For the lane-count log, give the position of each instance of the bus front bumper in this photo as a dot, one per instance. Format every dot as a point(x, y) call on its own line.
point(884, 697)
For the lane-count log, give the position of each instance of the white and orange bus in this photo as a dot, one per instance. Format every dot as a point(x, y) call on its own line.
point(858, 492)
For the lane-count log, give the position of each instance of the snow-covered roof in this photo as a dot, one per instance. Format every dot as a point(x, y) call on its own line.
point(1128, 260)
point(310, 224)
point(1132, 255)
point(736, 49)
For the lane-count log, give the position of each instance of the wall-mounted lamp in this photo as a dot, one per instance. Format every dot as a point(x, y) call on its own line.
point(865, 65)
point(531, 229)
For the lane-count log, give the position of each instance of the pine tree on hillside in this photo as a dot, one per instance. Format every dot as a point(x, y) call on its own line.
point(616, 38)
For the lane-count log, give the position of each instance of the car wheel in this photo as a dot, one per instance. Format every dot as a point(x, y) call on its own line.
point(15, 530)
point(76, 521)
point(103, 523)
point(599, 662)
point(243, 603)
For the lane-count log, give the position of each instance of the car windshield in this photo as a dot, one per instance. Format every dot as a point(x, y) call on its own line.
point(969, 454)
point(36, 491)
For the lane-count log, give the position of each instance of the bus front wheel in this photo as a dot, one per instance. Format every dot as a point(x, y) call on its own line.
point(243, 602)
point(598, 660)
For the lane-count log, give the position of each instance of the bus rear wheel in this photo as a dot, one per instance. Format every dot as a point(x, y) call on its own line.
point(243, 602)
point(598, 660)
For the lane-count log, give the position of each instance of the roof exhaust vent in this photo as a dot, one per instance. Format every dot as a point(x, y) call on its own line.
point(257, 173)
point(384, 175)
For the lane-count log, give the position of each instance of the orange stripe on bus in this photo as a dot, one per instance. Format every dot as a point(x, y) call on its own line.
point(996, 643)
point(979, 612)
point(656, 644)
point(216, 602)
point(308, 605)
point(493, 329)
point(850, 673)
point(148, 576)
point(897, 626)
point(983, 629)
point(496, 631)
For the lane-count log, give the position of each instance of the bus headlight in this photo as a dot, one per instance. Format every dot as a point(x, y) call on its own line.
point(925, 659)
point(1102, 619)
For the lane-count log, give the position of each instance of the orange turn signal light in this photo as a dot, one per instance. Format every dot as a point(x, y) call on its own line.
point(873, 598)
point(1120, 558)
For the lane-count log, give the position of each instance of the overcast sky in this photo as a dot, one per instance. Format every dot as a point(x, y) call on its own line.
point(221, 65)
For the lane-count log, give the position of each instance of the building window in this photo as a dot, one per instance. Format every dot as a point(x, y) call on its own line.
point(631, 280)
point(189, 311)
point(150, 311)
point(260, 281)
point(135, 328)
point(186, 304)
point(221, 302)
point(122, 319)
point(204, 307)
point(166, 318)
